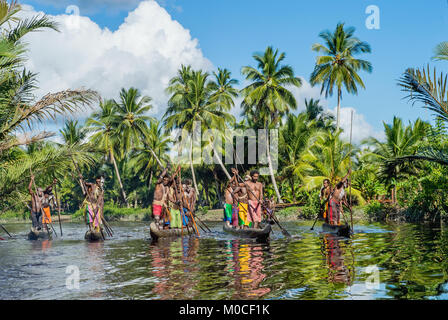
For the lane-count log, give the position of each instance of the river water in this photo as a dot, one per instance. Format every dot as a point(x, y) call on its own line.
point(379, 262)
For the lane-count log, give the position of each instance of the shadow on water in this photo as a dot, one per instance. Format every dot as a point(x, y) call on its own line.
point(410, 261)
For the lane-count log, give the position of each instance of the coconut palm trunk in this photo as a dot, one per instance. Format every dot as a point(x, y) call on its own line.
point(338, 112)
point(192, 169)
point(271, 172)
point(215, 154)
point(119, 178)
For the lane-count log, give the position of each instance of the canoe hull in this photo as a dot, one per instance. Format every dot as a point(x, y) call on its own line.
point(342, 231)
point(167, 233)
point(251, 233)
point(93, 236)
point(40, 235)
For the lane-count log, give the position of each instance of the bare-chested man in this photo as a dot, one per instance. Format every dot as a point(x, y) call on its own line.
point(94, 202)
point(37, 199)
point(255, 194)
point(243, 202)
point(160, 196)
point(335, 208)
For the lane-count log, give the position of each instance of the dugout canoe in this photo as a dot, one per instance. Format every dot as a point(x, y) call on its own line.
point(251, 233)
point(156, 233)
point(40, 235)
point(342, 231)
point(94, 236)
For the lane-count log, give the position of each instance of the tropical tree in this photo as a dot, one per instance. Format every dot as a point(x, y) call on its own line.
point(297, 135)
point(196, 99)
point(316, 112)
point(400, 141)
point(267, 98)
point(338, 67)
point(131, 110)
point(19, 110)
point(105, 135)
point(328, 158)
point(143, 160)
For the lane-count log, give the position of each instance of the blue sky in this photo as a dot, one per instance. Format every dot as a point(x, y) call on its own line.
point(230, 31)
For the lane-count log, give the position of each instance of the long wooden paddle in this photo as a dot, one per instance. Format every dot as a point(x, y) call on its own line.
point(6, 230)
point(59, 208)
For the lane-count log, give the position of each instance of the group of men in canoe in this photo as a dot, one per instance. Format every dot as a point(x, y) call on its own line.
point(43, 201)
point(333, 199)
point(243, 207)
point(174, 202)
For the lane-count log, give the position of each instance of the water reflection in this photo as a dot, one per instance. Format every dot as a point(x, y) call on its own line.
point(246, 264)
point(173, 264)
point(336, 256)
point(411, 260)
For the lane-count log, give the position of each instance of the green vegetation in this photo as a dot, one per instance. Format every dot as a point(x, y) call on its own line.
point(119, 141)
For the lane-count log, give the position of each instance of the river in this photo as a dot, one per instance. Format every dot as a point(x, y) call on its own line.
point(380, 262)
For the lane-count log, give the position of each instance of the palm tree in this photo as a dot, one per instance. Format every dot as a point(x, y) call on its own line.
point(143, 161)
point(105, 135)
point(441, 51)
point(131, 117)
point(297, 135)
point(400, 141)
point(316, 112)
point(327, 158)
point(195, 98)
point(73, 133)
point(338, 67)
point(15, 28)
point(266, 98)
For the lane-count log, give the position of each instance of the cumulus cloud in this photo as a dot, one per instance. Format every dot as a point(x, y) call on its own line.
point(145, 52)
point(306, 91)
point(361, 128)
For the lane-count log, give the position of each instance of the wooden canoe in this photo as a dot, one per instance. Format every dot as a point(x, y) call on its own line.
point(93, 236)
point(168, 233)
point(251, 233)
point(40, 235)
point(342, 230)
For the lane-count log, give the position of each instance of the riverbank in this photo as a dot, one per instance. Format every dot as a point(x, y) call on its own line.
point(371, 212)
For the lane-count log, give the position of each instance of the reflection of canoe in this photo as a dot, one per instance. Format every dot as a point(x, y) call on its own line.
point(259, 234)
point(93, 236)
point(342, 231)
point(40, 235)
point(167, 233)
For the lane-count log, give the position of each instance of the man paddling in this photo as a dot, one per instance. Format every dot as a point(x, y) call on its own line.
point(254, 197)
point(230, 204)
point(335, 204)
point(160, 196)
point(94, 203)
point(243, 204)
point(324, 195)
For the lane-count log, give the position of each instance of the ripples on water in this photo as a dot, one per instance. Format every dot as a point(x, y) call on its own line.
point(411, 261)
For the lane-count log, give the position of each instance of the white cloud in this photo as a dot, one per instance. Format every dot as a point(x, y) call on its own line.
point(145, 52)
point(361, 128)
point(306, 91)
